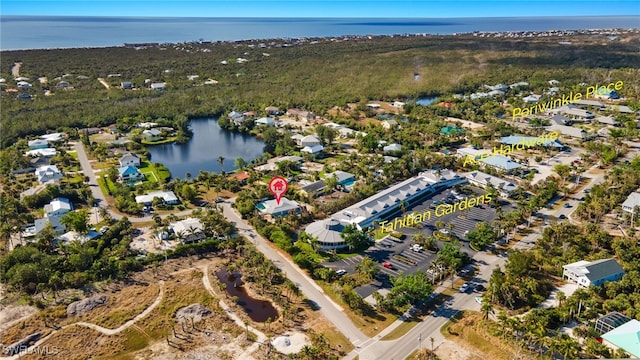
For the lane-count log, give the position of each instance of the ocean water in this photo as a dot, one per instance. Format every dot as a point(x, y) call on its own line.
point(40, 32)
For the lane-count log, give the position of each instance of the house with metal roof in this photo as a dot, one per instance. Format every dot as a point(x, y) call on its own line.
point(57, 207)
point(392, 148)
point(168, 197)
point(48, 173)
point(546, 142)
point(309, 140)
point(38, 144)
point(312, 150)
point(625, 337)
point(266, 121)
point(130, 173)
point(621, 108)
point(587, 273)
point(152, 134)
point(570, 131)
point(129, 159)
point(314, 189)
point(343, 177)
point(632, 202)
point(501, 162)
point(271, 208)
point(481, 179)
point(188, 230)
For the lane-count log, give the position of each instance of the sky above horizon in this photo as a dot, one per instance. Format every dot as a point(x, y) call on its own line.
point(319, 8)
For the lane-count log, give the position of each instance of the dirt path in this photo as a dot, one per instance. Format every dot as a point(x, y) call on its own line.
point(15, 70)
point(104, 83)
point(98, 328)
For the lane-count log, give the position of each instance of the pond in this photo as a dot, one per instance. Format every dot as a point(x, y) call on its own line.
point(258, 310)
point(426, 101)
point(201, 152)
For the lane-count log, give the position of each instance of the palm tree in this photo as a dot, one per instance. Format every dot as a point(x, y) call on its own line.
point(561, 297)
point(486, 309)
point(221, 163)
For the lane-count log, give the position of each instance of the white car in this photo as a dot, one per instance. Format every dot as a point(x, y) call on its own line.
point(341, 272)
point(464, 287)
point(478, 299)
point(444, 231)
point(416, 248)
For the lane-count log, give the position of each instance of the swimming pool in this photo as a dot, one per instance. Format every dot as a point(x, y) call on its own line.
point(349, 183)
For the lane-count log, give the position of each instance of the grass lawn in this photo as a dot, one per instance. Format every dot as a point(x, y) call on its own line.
point(369, 324)
point(74, 154)
point(402, 329)
point(168, 140)
point(108, 164)
point(469, 329)
point(153, 172)
point(104, 187)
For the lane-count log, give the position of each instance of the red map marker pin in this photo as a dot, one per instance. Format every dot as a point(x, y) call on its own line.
point(278, 186)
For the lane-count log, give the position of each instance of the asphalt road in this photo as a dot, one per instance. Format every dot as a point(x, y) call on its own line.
point(97, 194)
point(399, 349)
point(332, 311)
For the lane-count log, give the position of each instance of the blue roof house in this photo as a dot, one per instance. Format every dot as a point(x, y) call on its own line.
point(130, 173)
point(501, 162)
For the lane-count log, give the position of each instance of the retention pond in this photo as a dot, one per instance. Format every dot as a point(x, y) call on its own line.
point(258, 310)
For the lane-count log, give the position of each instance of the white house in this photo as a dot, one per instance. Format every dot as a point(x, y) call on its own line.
point(48, 173)
point(236, 117)
point(168, 197)
point(633, 201)
point(152, 134)
point(586, 273)
point(38, 144)
point(23, 85)
point(266, 121)
point(272, 209)
point(309, 141)
point(57, 207)
point(312, 150)
point(189, 230)
point(129, 159)
point(481, 179)
point(158, 86)
point(392, 148)
point(398, 104)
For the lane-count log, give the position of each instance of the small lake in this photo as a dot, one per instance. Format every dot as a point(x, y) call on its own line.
point(201, 152)
point(258, 310)
point(426, 101)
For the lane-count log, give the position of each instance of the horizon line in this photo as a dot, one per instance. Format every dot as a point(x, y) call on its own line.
point(322, 17)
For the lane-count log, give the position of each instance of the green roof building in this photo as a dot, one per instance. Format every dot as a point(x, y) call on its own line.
point(451, 130)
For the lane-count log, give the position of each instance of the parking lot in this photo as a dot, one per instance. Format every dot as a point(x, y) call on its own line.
point(399, 254)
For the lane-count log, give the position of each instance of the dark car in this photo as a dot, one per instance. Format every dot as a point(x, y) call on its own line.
point(479, 288)
point(219, 200)
point(562, 217)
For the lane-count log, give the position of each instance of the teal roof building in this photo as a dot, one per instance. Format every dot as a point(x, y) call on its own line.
point(626, 337)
